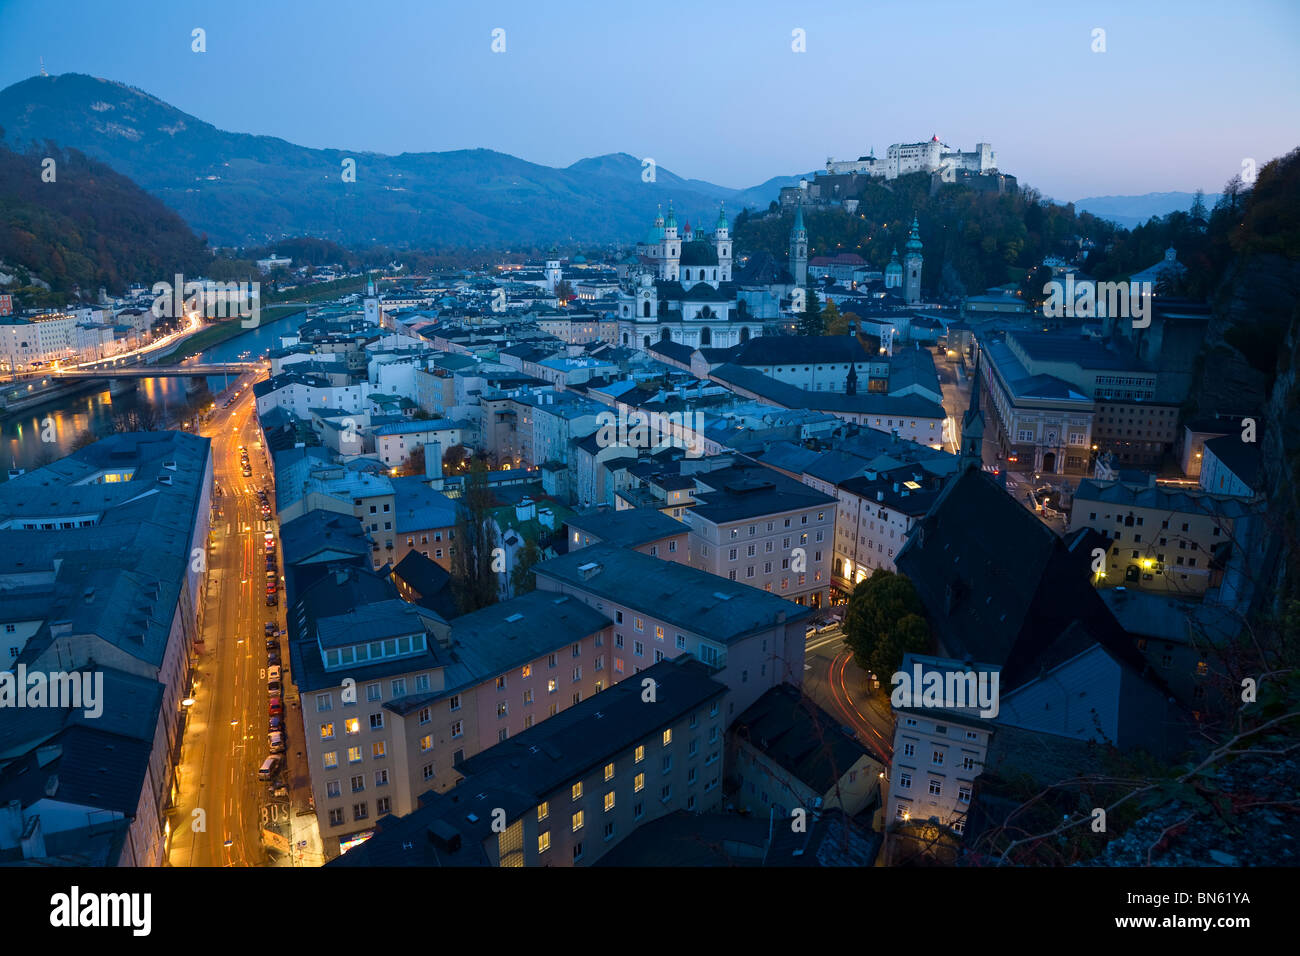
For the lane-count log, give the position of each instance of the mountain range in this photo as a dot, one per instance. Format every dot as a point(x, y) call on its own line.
point(1130, 211)
point(240, 189)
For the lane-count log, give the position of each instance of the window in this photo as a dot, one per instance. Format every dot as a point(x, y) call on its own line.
point(425, 714)
point(399, 687)
point(358, 784)
point(426, 743)
point(427, 771)
point(503, 709)
point(963, 793)
point(577, 851)
point(639, 625)
point(936, 758)
point(668, 736)
point(354, 755)
point(551, 685)
point(381, 778)
point(638, 783)
point(638, 649)
point(526, 670)
point(577, 673)
point(609, 771)
point(352, 726)
point(968, 763)
point(609, 801)
point(905, 781)
point(667, 792)
point(457, 728)
point(936, 788)
point(577, 822)
point(543, 841)
point(327, 731)
point(374, 692)
point(909, 750)
point(543, 811)
point(378, 750)
point(377, 721)
point(324, 702)
point(332, 789)
point(455, 702)
point(501, 682)
point(681, 642)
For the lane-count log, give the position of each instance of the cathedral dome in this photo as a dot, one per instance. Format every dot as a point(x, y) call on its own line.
point(699, 254)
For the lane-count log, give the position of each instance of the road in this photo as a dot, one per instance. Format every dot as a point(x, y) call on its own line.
point(226, 737)
point(839, 687)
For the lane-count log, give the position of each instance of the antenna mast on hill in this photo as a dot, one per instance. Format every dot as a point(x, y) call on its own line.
point(43, 73)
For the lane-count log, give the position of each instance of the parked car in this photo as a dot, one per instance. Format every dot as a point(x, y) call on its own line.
point(269, 766)
point(273, 655)
point(273, 673)
point(276, 742)
point(272, 600)
point(270, 628)
point(277, 725)
point(274, 688)
point(276, 707)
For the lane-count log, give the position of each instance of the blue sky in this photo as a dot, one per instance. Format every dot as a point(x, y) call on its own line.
point(1184, 92)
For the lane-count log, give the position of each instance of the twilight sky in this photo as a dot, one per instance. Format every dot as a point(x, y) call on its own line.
point(1184, 92)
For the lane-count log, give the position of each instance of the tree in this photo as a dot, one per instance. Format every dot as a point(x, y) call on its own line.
point(810, 321)
point(564, 291)
point(455, 459)
point(1031, 287)
point(473, 579)
point(415, 461)
point(883, 622)
point(522, 578)
point(835, 323)
point(84, 438)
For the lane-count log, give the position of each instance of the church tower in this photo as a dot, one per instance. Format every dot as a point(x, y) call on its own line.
point(371, 303)
point(552, 271)
point(799, 249)
point(672, 246)
point(722, 245)
point(894, 272)
point(972, 425)
point(912, 260)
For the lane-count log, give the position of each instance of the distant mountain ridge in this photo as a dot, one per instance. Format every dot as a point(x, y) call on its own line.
point(242, 189)
point(1130, 211)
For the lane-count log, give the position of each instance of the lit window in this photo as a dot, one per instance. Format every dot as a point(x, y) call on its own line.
point(638, 783)
point(577, 790)
point(609, 771)
point(668, 736)
point(577, 821)
point(640, 753)
point(543, 811)
point(609, 801)
point(543, 841)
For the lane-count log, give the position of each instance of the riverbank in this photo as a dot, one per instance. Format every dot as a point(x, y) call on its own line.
point(215, 335)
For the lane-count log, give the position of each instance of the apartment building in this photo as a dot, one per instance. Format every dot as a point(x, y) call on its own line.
point(875, 514)
point(785, 753)
point(395, 442)
point(640, 529)
point(99, 580)
point(663, 609)
point(568, 790)
point(938, 753)
point(1173, 541)
point(753, 524)
point(439, 694)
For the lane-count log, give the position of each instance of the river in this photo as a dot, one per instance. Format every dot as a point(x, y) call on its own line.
point(61, 421)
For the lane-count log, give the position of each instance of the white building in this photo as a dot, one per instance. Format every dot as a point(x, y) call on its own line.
point(927, 157)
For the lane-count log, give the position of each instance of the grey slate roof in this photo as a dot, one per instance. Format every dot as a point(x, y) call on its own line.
point(687, 597)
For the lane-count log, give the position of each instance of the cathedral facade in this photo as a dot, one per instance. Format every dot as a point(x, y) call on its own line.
point(681, 290)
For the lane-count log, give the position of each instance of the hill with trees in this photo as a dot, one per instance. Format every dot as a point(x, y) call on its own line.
point(88, 228)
